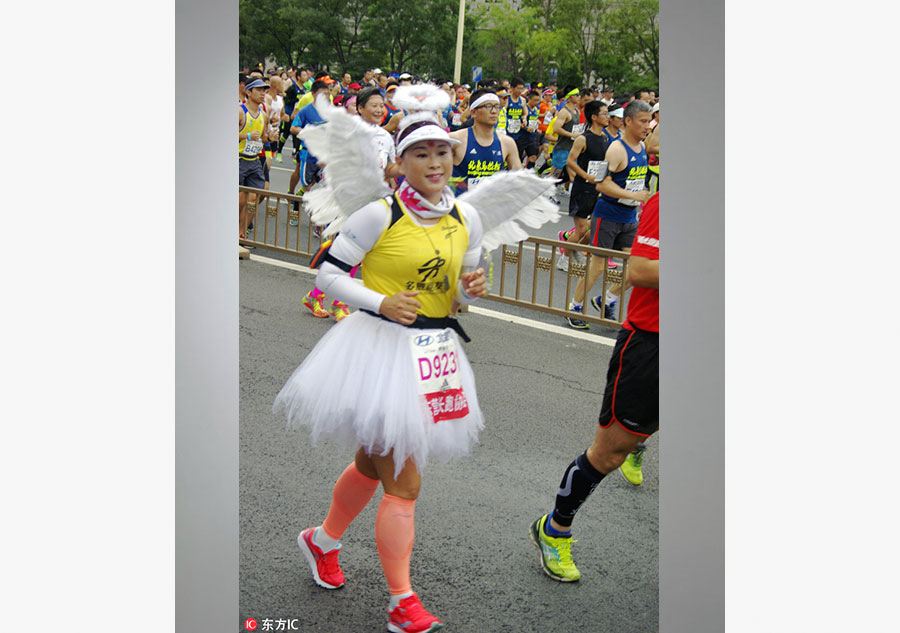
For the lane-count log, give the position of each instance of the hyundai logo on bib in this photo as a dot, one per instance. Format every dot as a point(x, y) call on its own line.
point(423, 340)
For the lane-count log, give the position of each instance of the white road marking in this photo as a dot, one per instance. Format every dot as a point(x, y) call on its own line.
point(556, 329)
point(281, 264)
point(546, 327)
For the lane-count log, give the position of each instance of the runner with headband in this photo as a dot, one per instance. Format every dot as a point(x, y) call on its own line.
point(392, 379)
point(480, 151)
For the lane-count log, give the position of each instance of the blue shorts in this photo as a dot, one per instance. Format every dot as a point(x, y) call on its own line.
point(309, 170)
point(560, 156)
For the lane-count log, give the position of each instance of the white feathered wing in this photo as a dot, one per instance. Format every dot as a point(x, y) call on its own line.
point(509, 199)
point(345, 145)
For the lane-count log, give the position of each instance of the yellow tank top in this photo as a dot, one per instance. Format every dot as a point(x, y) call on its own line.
point(426, 259)
point(250, 123)
point(550, 132)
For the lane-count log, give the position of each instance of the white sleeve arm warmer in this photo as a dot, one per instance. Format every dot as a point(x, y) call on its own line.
point(357, 237)
point(472, 258)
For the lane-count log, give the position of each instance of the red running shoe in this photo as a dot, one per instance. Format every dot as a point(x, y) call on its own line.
point(324, 565)
point(411, 617)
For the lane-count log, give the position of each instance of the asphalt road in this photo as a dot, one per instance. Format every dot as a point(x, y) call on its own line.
point(473, 563)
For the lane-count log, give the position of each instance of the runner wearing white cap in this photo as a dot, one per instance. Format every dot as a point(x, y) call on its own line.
point(613, 131)
point(420, 250)
point(392, 379)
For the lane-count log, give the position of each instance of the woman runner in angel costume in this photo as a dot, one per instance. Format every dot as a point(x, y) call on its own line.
point(392, 379)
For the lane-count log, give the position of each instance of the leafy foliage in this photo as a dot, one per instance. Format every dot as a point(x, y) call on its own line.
point(614, 42)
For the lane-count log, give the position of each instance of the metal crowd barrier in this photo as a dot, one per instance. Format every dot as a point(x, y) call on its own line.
point(546, 266)
point(271, 227)
point(272, 231)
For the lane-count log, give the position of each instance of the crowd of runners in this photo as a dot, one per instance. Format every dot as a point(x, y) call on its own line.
point(599, 156)
point(560, 132)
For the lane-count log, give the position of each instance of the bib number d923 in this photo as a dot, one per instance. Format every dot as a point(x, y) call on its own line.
point(436, 367)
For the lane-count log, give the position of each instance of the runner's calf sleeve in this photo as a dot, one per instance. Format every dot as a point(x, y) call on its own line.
point(352, 493)
point(577, 484)
point(394, 535)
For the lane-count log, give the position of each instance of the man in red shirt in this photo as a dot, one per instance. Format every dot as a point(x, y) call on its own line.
point(630, 410)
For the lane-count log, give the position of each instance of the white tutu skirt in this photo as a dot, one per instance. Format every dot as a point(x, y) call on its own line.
point(358, 386)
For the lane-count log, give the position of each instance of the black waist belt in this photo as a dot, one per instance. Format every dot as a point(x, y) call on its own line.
point(428, 323)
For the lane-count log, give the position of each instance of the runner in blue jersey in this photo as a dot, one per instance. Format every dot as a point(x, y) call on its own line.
point(614, 220)
point(516, 112)
point(613, 131)
point(307, 169)
point(530, 139)
point(482, 152)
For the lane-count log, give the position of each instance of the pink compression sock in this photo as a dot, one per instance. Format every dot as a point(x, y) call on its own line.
point(394, 534)
point(352, 492)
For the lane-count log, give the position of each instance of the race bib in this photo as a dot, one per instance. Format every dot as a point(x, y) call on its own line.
point(532, 125)
point(578, 128)
point(438, 376)
point(513, 126)
point(548, 117)
point(501, 131)
point(597, 169)
point(252, 148)
point(457, 119)
point(633, 185)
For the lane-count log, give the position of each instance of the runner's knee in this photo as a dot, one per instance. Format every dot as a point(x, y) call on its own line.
point(608, 451)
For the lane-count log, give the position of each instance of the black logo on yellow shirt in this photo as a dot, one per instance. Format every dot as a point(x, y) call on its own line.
point(431, 267)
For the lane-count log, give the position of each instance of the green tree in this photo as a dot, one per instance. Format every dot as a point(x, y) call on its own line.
point(636, 25)
point(583, 23)
point(413, 35)
point(341, 26)
point(517, 42)
point(283, 29)
point(615, 42)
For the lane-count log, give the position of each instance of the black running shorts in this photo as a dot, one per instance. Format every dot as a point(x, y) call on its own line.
point(528, 144)
point(581, 205)
point(631, 398)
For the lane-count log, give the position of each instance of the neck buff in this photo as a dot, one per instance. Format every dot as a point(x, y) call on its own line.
point(422, 207)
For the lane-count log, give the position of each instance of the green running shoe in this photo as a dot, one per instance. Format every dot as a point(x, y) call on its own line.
point(556, 553)
point(631, 467)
